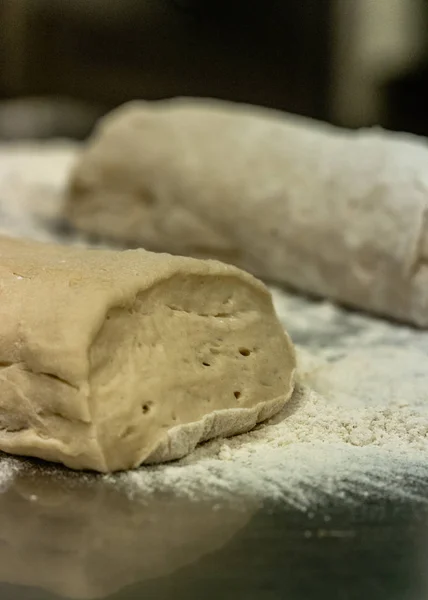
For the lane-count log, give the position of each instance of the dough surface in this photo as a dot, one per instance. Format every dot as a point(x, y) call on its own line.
point(338, 214)
point(113, 359)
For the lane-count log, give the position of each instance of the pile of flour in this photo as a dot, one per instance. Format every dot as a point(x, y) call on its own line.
point(355, 427)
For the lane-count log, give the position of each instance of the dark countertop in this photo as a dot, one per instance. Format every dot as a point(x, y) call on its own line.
point(68, 536)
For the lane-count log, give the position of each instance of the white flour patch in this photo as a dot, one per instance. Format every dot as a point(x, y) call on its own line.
point(8, 469)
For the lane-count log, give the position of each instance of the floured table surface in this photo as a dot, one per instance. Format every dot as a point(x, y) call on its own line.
point(327, 500)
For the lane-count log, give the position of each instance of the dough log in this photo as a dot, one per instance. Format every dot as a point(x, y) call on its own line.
point(113, 359)
point(338, 214)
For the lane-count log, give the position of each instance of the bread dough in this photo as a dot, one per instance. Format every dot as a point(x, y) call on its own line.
point(113, 359)
point(338, 214)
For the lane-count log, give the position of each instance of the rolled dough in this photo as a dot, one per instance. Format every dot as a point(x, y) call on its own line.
point(113, 359)
point(339, 214)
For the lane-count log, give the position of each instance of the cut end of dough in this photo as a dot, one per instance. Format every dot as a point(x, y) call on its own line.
point(115, 359)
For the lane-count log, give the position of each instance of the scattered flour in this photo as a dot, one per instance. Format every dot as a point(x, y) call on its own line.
point(356, 426)
point(8, 468)
point(364, 434)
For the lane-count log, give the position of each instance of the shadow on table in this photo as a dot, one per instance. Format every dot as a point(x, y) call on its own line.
point(66, 535)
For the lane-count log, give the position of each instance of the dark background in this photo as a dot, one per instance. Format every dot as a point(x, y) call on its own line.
point(350, 62)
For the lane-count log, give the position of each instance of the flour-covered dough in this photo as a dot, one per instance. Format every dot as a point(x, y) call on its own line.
point(113, 359)
point(339, 214)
